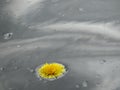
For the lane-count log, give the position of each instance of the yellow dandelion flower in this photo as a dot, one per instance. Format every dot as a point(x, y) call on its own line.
point(51, 70)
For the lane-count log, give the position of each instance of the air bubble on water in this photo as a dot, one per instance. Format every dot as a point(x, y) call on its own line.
point(31, 70)
point(61, 14)
point(8, 36)
point(2, 69)
point(85, 83)
point(18, 46)
point(30, 27)
point(77, 86)
point(81, 9)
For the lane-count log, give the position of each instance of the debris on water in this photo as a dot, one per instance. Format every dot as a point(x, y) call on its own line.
point(85, 83)
point(103, 61)
point(8, 36)
point(77, 86)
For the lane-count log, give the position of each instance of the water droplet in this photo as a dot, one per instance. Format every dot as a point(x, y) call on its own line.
point(8, 36)
point(77, 86)
point(84, 83)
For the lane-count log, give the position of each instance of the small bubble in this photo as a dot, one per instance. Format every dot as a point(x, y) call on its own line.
point(81, 9)
point(31, 70)
point(84, 83)
point(2, 69)
point(63, 15)
point(77, 86)
point(18, 46)
point(30, 27)
point(8, 36)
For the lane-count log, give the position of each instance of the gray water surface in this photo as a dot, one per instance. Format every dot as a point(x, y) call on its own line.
point(84, 35)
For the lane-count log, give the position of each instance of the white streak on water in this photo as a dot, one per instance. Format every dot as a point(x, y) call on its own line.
point(107, 29)
point(58, 39)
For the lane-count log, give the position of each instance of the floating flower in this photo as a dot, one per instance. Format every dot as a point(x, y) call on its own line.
point(51, 70)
